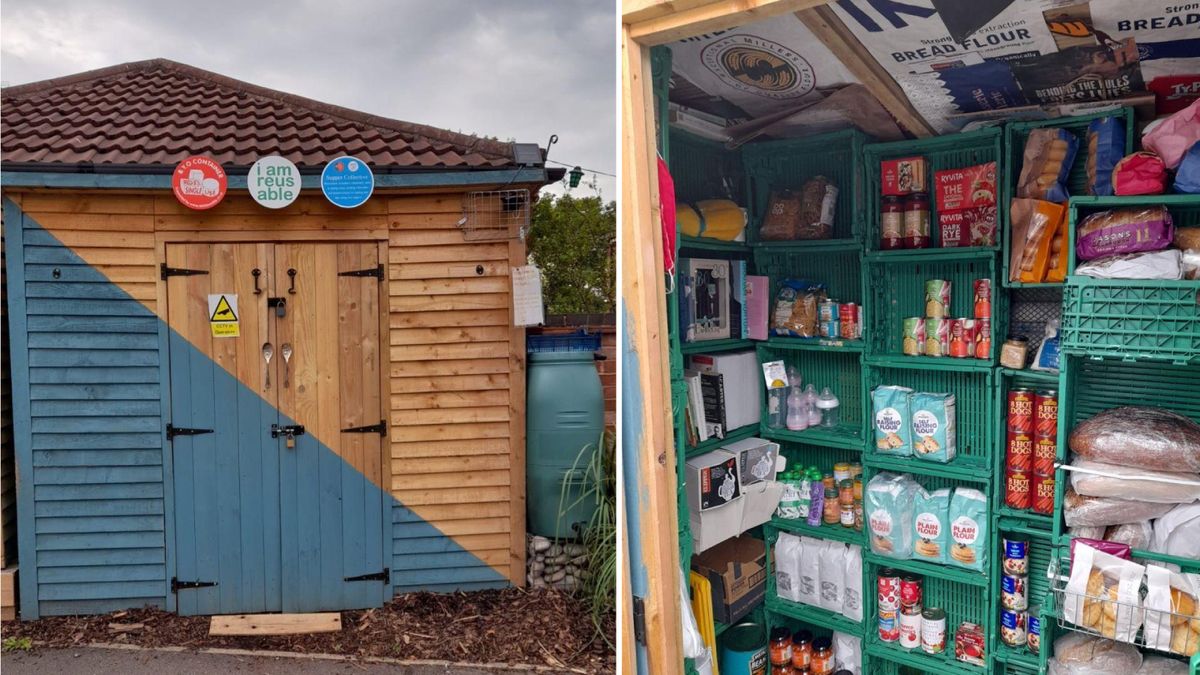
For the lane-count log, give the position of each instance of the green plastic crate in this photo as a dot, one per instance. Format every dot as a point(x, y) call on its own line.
point(952, 151)
point(1099, 384)
point(1041, 550)
point(840, 269)
point(787, 164)
point(1131, 318)
point(1184, 209)
point(1015, 136)
point(704, 169)
point(837, 369)
point(896, 291)
point(1008, 379)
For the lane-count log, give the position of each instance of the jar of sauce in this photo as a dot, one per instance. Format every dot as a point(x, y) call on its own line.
point(916, 221)
point(802, 651)
point(891, 223)
point(822, 657)
point(833, 508)
point(1013, 352)
point(781, 647)
point(846, 502)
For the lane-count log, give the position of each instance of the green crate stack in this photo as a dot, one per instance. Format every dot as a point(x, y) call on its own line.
point(941, 152)
point(1007, 380)
point(838, 370)
point(1041, 551)
point(1015, 136)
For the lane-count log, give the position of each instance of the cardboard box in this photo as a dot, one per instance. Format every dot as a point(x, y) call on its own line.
point(902, 176)
point(758, 303)
point(743, 390)
point(965, 188)
point(737, 570)
point(712, 480)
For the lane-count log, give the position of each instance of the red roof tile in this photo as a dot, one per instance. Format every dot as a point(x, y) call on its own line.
point(158, 112)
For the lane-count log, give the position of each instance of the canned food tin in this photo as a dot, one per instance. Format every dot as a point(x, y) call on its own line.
point(961, 342)
point(889, 625)
point(829, 329)
point(914, 336)
point(983, 298)
point(827, 310)
point(910, 590)
point(1017, 493)
point(1045, 449)
point(1046, 417)
point(849, 316)
point(983, 338)
point(1043, 495)
point(910, 629)
point(937, 336)
point(1016, 556)
point(1033, 632)
point(889, 589)
point(937, 298)
point(1012, 627)
point(1014, 593)
point(1020, 410)
point(933, 630)
point(1018, 452)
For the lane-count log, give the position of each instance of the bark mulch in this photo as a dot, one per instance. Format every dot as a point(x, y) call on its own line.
point(510, 625)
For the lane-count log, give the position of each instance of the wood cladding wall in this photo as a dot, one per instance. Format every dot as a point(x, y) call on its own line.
point(454, 393)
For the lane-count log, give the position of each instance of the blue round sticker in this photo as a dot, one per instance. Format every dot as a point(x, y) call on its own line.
point(347, 182)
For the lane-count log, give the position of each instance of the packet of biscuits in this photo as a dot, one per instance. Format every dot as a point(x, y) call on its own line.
point(1103, 594)
point(1172, 622)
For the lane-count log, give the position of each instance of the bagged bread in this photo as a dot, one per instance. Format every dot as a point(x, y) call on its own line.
point(1103, 594)
point(1046, 162)
point(1081, 654)
point(852, 607)
point(1172, 612)
point(1161, 665)
point(1106, 147)
point(1137, 436)
point(1134, 535)
point(1140, 173)
point(833, 575)
point(1056, 266)
point(1178, 532)
point(888, 506)
point(931, 525)
point(1034, 224)
point(809, 589)
point(787, 567)
point(892, 407)
point(1172, 138)
point(847, 653)
point(968, 529)
point(1121, 231)
point(1165, 264)
point(1104, 511)
point(1100, 479)
point(1087, 531)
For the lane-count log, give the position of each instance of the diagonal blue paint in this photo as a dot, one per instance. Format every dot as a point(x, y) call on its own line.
point(271, 528)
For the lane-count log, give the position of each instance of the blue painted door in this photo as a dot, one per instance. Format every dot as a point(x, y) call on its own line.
point(262, 524)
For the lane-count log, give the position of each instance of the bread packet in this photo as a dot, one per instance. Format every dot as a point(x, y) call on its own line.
point(1172, 620)
point(1103, 594)
point(1046, 162)
point(1034, 224)
point(1106, 147)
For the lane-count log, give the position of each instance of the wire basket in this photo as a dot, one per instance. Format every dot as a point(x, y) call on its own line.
point(495, 215)
point(1114, 618)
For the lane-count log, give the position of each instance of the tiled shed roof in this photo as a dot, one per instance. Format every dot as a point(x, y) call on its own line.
point(158, 112)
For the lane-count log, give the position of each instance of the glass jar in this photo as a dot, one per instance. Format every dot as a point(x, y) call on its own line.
point(822, 657)
point(916, 221)
point(833, 509)
point(891, 223)
point(1014, 351)
point(781, 647)
point(802, 651)
point(846, 502)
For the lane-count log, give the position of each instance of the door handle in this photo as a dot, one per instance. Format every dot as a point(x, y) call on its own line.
point(256, 273)
point(292, 275)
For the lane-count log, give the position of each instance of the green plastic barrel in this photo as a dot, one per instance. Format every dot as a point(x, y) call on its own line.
point(564, 413)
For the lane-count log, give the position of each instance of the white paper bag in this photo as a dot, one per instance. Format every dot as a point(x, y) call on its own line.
point(852, 607)
point(787, 567)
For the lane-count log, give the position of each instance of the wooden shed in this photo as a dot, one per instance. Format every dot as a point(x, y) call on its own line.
point(148, 472)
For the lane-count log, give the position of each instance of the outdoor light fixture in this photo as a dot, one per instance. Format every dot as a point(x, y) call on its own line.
point(576, 175)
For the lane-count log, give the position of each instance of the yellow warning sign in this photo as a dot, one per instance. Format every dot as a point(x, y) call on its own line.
point(223, 315)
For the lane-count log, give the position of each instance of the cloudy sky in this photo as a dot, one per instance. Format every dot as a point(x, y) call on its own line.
point(521, 69)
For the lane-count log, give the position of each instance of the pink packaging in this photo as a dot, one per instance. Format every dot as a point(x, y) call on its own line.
point(1114, 548)
point(1141, 173)
point(1123, 231)
point(758, 299)
point(1172, 138)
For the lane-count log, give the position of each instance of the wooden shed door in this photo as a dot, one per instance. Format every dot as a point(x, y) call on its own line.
point(261, 523)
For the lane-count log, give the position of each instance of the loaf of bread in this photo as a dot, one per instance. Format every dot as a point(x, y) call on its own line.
point(1187, 238)
point(1121, 231)
point(1139, 436)
point(1081, 511)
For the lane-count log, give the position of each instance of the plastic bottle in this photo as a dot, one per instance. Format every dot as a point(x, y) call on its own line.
point(810, 405)
point(803, 500)
point(816, 508)
point(828, 405)
point(797, 416)
point(777, 407)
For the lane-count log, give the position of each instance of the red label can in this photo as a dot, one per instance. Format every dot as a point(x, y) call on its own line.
point(1020, 410)
point(910, 590)
point(983, 338)
point(983, 298)
point(1045, 449)
point(1046, 417)
point(848, 318)
point(889, 589)
point(1016, 490)
point(1043, 494)
point(1018, 453)
point(962, 344)
point(889, 625)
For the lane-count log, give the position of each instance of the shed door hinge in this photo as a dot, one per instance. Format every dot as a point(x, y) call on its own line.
point(380, 429)
point(385, 576)
point(376, 272)
point(173, 431)
point(177, 271)
point(639, 620)
point(176, 584)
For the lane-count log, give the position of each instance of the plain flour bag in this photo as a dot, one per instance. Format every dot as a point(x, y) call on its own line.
point(888, 509)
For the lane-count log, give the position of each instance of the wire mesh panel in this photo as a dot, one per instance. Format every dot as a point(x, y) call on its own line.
point(495, 215)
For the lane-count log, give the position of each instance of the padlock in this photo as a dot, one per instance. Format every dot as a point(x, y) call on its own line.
point(291, 441)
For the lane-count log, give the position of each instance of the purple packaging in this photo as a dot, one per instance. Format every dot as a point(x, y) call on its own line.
point(1120, 550)
point(1124, 231)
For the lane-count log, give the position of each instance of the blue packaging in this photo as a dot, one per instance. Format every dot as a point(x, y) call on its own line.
point(1106, 147)
point(1187, 175)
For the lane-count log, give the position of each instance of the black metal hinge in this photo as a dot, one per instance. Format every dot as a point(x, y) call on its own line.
point(173, 431)
point(176, 584)
point(376, 272)
point(385, 576)
point(639, 620)
point(380, 429)
point(178, 271)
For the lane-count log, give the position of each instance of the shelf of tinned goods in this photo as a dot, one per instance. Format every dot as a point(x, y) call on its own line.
point(816, 344)
point(943, 663)
point(1041, 551)
point(1036, 381)
point(928, 570)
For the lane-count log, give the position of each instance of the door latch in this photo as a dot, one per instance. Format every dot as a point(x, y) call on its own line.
point(289, 432)
point(280, 305)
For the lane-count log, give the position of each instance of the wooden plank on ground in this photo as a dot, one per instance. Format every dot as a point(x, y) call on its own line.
point(8, 585)
point(276, 624)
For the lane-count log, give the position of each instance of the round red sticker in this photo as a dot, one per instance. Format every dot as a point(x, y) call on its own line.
point(199, 182)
